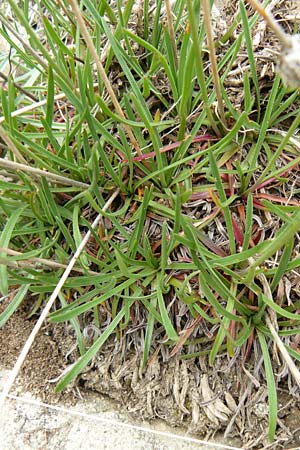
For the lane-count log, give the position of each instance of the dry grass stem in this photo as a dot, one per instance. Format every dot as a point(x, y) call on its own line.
point(201, 78)
point(213, 59)
point(19, 87)
point(12, 146)
point(32, 107)
point(171, 30)
point(24, 43)
point(102, 72)
point(42, 173)
point(16, 369)
point(34, 261)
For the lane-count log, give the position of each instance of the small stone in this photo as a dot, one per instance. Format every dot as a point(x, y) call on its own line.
point(260, 410)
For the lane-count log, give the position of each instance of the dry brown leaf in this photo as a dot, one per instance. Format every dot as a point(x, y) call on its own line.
point(215, 408)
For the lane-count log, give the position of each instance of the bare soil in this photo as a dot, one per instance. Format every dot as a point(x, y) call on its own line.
point(45, 360)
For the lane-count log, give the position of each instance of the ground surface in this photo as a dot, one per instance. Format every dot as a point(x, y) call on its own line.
point(26, 426)
point(161, 394)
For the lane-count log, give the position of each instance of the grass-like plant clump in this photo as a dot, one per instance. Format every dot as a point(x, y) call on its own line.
point(124, 151)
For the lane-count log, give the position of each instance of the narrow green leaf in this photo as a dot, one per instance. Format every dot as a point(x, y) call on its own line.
point(4, 243)
point(272, 392)
point(249, 222)
point(282, 237)
point(50, 98)
point(83, 361)
point(14, 304)
point(250, 53)
point(225, 209)
point(282, 311)
point(149, 333)
point(164, 313)
point(283, 264)
point(214, 302)
point(78, 237)
point(69, 312)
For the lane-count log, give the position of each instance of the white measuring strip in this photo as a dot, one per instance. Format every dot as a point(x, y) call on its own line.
point(119, 423)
